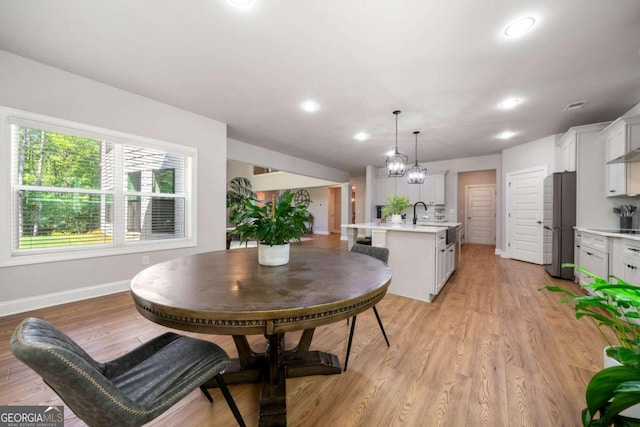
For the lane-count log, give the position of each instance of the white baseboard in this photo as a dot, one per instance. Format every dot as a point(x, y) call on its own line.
point(326, 233)
point(47, 300)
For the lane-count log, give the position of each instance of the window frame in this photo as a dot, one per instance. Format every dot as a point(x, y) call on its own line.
point(10, 255)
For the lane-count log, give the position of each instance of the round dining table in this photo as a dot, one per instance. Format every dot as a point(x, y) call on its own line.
point(229, 293)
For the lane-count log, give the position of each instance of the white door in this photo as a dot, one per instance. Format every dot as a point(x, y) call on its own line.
point(525, 214)
point(480, 224)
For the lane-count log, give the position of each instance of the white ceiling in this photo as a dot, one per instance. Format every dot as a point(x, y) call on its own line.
point(445, 64)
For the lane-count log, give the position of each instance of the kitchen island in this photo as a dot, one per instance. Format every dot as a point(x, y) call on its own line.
point(422, 257)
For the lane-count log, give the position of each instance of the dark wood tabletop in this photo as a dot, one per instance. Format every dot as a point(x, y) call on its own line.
point(229, 293)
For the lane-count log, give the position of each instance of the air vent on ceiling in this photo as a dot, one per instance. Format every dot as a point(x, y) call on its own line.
point(575, 105)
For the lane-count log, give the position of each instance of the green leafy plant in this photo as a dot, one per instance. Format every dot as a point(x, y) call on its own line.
point(238, 190)
point(396, 205)
point(272, 223)
point(614, 307)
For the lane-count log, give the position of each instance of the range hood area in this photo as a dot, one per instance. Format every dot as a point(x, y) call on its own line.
point(623, 136)
point(631, 157)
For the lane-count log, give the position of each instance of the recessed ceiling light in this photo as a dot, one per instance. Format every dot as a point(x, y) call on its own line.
point(520, 26)
point(244, 4)
point(506, 134)
point(310, 106)
point(509, 103)
point(361, 136)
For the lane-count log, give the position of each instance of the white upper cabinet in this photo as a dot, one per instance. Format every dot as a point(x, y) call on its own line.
point(431, 192)
point(622, 137)
point(583, 149)
point(566, 152)
point(615, 146)
point(434, 189)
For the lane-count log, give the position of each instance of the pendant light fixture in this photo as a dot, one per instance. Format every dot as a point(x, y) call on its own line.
point(397, 162)
point(416, 173)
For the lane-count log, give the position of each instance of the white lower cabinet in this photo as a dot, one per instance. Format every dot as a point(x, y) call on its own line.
point(626, 260)
point(593, 255)
point(451, 259)
point(630, 271)
point(441, 261)
point(445, 262)
point(577, 242)
point(595, 261)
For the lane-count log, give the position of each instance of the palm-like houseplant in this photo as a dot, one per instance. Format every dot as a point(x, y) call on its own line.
point(274, 223)
point(238, 191)
point(614, 306)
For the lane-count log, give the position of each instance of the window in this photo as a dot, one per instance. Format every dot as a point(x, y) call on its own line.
point(78, 190)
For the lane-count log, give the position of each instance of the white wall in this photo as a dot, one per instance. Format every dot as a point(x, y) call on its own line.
point(535, 153)
point(285, 180)
point(271, 181)
point(319, 208)
point(34, 87)
point(254, 155)
point(236, 169)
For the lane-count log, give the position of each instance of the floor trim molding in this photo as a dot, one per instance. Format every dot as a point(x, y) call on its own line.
point(21, 305)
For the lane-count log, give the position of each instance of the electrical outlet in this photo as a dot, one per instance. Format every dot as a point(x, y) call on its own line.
point(145, 260)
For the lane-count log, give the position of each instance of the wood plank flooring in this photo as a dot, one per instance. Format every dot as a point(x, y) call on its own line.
point(490, 350)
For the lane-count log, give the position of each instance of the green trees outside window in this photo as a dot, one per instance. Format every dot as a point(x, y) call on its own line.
point(75, 190)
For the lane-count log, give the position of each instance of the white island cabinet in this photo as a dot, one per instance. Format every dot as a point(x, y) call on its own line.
point(420, 256)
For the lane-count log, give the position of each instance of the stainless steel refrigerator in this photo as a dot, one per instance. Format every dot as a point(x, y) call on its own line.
point(559, 218)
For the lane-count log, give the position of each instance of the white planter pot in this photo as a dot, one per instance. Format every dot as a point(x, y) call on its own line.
point(634, 411)
point(396, 219)
point(273, 255)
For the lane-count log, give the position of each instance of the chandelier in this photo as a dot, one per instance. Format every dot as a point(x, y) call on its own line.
point(397, 162)
point(416, 173)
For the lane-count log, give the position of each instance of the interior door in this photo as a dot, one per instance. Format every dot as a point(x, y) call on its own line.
point(525, 214)
point(335, 209)
point(480, 224)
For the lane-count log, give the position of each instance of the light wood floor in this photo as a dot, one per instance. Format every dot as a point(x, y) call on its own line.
point(491, 350)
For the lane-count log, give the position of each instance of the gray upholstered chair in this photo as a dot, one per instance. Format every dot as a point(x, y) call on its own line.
point(383, 255)
point(130, 390)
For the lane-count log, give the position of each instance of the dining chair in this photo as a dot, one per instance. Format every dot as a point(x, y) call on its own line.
point(383, 255)
point(130, 390)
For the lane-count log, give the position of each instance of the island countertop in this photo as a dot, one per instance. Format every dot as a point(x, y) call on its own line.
point(421, 227)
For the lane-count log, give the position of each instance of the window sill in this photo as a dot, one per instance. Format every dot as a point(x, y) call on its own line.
point(58, 256)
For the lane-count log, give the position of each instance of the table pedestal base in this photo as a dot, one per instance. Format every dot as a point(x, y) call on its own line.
point(273, 367)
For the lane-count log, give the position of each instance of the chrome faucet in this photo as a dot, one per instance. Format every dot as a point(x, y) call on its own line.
point(415, 217)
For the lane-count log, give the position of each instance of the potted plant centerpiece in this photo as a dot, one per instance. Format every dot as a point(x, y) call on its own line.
point(396, 205)
point(273, 224)
point(614, 306)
